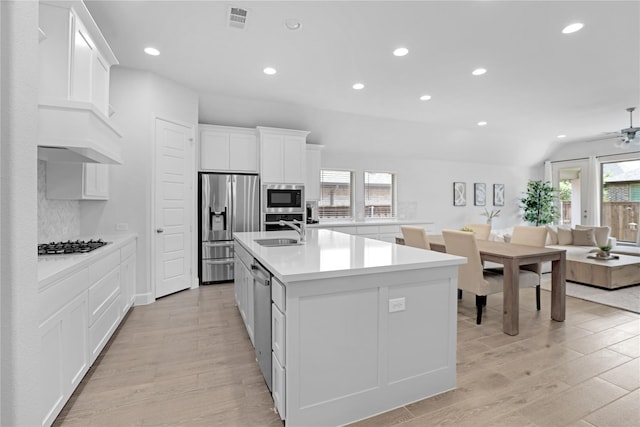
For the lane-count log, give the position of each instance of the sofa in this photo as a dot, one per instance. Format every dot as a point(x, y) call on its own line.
point(577, 241)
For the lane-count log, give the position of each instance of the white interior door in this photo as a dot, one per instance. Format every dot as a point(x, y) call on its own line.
point(173, 207)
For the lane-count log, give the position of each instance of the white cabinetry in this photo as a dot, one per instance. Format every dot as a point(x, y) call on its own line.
point(312, 181)
point(243, 283)
point(75, 59)
point(77, 181)
point(282, 155)
point(64, 344)
point(128, 276)
point(78, 315)
point(225, 148)
point(75, 62)
point(386, 232)
point(278, 346)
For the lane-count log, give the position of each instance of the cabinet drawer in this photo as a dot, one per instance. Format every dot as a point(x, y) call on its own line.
point(278, 390)
point(102, 293)
point(242, 254)
point(277, 294)
point(278, 344)
point(100, 268)
point(389, 229)
point(103, 328)
point(128, 250)
point(57, 295)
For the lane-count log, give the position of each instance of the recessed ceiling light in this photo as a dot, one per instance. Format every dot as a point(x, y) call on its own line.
point(151, 51)
point(270, 71)
point(479, 71)
point(482, 123)
point(561, 136)
point(572, 28)
point(425, 97)
point(358, 86)
point(292, 24)
point(401, 51)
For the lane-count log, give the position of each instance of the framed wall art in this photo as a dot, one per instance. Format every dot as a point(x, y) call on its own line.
point(459, 194)
point(498, 194)
point(479, 194)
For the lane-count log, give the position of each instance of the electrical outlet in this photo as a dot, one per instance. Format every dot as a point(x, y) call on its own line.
point(122, 226)
point(396, 304)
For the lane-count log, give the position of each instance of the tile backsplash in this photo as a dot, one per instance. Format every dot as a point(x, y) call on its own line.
point(58, 220)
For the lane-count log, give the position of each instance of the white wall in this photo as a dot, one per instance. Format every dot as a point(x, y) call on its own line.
point(137, 97)
point(425, 185)
point(58, 220)
point(20, 345)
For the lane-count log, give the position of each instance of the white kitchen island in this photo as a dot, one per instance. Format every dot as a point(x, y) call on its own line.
point(359, 326)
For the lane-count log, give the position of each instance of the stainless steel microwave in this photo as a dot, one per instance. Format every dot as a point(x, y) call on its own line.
point(283, 198)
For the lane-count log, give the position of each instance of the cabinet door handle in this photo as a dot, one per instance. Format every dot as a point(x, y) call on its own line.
point(159, 230)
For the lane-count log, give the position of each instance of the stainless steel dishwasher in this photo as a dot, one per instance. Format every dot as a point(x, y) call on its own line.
point(262, 318)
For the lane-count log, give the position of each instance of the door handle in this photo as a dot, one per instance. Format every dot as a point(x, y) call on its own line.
point(159, 230)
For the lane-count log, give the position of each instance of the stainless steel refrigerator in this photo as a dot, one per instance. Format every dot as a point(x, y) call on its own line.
point(229, 203)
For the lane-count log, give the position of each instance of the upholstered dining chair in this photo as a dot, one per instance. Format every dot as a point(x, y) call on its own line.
point(531, 236)
point(482, 230)
point(415, 236)
point(471, 277)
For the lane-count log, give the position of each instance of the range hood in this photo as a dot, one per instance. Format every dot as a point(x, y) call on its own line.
point(76, 131)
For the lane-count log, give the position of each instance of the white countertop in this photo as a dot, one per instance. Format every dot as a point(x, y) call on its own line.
point(54, 267)
point(354, 223)
point(328, 254)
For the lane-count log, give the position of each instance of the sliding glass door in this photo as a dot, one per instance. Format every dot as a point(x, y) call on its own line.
point(620, 199)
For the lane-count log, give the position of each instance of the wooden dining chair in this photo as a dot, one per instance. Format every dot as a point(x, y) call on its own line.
point(482, 230)
point(415, 236)
point(471, 277)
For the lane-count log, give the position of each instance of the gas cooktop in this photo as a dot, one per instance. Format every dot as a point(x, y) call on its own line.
point(70, 247)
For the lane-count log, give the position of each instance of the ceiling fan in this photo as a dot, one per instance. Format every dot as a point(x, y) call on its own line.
point(628, 135)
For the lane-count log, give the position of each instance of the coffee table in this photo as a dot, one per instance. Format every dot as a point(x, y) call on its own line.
point(608, 274)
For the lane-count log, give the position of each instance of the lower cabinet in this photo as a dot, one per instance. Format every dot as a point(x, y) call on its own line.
point(243, 286)
point(278, 347)
point(79, 314)
point(64, 355)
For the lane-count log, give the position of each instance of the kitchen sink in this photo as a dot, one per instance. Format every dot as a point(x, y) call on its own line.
point(277, 242)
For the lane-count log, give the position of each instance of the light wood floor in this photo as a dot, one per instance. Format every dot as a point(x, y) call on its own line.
point(187, 360)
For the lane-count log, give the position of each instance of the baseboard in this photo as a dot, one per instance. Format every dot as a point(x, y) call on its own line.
point(144, 299)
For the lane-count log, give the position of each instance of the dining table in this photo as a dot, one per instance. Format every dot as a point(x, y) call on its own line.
point(512, 256)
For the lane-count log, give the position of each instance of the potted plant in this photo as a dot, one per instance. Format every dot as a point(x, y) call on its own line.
point(539, 203)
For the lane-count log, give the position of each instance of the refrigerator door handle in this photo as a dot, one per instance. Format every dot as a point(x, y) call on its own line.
point(217, 244)
point(217, 261)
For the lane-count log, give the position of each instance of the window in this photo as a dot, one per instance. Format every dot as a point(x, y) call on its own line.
point(620, 204)
point(379, 195)
point(336, 194)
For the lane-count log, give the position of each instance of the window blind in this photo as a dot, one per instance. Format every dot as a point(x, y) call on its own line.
point(378, 195)
point(336, 194)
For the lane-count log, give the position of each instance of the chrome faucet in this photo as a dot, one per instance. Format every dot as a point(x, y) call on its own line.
point(299, 228)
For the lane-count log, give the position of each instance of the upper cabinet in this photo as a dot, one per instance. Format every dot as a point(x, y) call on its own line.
point(282, 155)
point(312, 182)
point(226, 148)
point(73, 106)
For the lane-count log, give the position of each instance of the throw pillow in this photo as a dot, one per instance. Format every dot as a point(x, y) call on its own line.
point(564, 236)
point(601, 234)
point(583, 237)
point(552, 235)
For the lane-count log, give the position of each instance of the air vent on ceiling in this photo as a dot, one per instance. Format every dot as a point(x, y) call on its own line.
point(237, 17)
